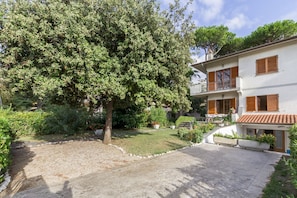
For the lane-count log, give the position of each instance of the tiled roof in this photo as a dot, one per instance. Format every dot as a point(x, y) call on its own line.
point(268, 119)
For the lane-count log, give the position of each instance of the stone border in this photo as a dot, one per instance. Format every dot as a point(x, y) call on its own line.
point(6, 181)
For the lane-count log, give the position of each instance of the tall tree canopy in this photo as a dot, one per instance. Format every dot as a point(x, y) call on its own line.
point(271, 32)
point(211, 39)
point(64, 51)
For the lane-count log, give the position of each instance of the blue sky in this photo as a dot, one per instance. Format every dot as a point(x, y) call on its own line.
point(240, 16)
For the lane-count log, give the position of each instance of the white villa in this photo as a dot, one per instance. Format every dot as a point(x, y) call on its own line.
point(260, 83)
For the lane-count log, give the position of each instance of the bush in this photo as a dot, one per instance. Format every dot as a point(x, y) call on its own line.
point(5, 141)
point(204, 127)
point(292, 162)
point(195, 135)
point(266, 138)
point(65, 120)
point(24, 123)
point(158, 115)
point(130, 118)
point(184, 119)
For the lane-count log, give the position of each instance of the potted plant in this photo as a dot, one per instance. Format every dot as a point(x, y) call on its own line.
point(172, 125)
point(262, 142)
point(156, 125)
point(229, 140)
point(158, 117)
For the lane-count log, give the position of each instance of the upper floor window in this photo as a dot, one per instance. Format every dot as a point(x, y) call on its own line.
point(262, 103)
point(267, 65)
point(222, 79)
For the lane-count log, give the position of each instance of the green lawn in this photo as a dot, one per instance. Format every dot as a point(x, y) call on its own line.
point(146, 142)
point(143, 142)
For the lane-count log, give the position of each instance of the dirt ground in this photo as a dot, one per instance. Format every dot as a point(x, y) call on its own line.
point(36, 165)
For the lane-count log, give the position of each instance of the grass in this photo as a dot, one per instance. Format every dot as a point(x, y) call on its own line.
point(280, 184)
point(147, 142)
point(142, 142)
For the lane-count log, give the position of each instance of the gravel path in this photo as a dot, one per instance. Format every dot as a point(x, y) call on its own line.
point(34, 166)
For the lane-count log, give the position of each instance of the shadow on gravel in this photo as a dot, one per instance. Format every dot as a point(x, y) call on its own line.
point(21, 156)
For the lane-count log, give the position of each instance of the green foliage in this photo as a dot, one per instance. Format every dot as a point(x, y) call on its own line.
point(24, 123)
point(292, 162)
point(195, 135)
point(225, 136)
point(62, 52)
point(266, 138)
point(280, 184)
point(5, 141)
point(158, 116)
point(65, 120)
point(184, 119)
point(204, 127)
point(212, 38)
point(271, 32)
point(130, 118)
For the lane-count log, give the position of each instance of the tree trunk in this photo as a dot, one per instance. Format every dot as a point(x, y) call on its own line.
point(108, 123)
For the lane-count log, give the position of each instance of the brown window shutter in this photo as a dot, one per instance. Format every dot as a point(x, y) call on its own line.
point(233, 103)
point(272, 102)
point(272, 64)
point(260, 64)
point(211, 107)
point(251, 103)
point(211, 81)
point(234, 74)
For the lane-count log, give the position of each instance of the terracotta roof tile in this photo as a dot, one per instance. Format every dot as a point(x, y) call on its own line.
point(268, 119)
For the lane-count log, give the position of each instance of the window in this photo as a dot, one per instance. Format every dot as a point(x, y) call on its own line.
point(267, 65)
point(262, 103)
point(222, 79)
point(221, 106)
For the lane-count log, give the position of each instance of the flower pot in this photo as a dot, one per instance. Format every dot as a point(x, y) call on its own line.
point(172, 126)
point(252, 144)
point(156, 126)
point(99, 132)
point(224, 141)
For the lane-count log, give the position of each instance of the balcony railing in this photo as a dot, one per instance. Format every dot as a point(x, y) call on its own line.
point(222, 85)
point(234, 83)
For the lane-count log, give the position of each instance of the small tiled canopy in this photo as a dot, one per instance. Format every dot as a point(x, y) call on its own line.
point(268, 119)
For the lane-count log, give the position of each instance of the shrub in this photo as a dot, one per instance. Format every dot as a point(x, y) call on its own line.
point(195, 135)
point(5, 141)
point(158, 115)
point(24, 123)
point(292, 162)
point(65, 120)
point(184, 119)
point(266, 138)
point(204, 127)
point(130, 118)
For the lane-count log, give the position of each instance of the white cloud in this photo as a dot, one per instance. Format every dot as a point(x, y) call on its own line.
point(211, 9)
point(237, 22)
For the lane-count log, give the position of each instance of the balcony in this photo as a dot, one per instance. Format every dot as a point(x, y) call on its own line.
point(198, 88)
point(203, 89)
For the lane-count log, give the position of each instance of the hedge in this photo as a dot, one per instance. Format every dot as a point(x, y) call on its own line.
point(5, 141)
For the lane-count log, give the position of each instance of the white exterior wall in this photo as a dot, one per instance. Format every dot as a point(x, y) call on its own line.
point(283, 82)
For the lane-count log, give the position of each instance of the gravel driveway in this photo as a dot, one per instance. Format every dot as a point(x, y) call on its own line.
point(202, 171)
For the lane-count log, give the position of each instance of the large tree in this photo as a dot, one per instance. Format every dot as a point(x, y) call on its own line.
point(65, 51)
point(271, 32)
point(211, 39)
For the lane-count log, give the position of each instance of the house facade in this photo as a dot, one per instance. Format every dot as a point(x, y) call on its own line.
point(259, 85)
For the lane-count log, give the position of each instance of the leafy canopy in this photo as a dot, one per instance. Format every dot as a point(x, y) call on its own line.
point(211, 39)
point(65, 51)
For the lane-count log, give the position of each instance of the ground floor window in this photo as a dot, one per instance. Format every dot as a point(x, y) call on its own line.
point(221, 106)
